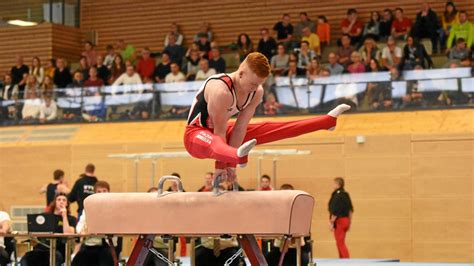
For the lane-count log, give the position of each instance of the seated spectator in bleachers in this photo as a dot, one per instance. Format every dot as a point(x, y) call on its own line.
point(284, 31)
point(357, 66)
point(267, 45)
point(373, 66)
point(50, 67)
point(204, 28)
point(414, 54)
point(64, 223)
point(192, 65)
point(204, 44)
point(204, 71)
point(95, 113)
point(127, 51)
point(401, 26)
point(5, 228)
point(146, 64)
point(460, 51)
point(110, 56)
point(48, 110)
point(118, 68)
point(93, 84)
point(18, 73)
point(312, 39)
point(304, 22)
point(89, 53)
point(385, 25)
point(175, 51)
point(353, 27)
point(37, 70)
point(323, 31)
point(369, 51)
point(391, 54)
point(207, 187)
point(427, 25)
point(103, 72)
point(31, 87)
point(163, 68)
point(464, 29)
point(175, 75)
point(217, 62)
point(271, 106)
point(10, 90)
point(372, 27)
point(294, 71)
point(344, 52)
point(413, 98)
point(83, 67)
point(449, 17)
point(48, 87)
point(77, 81)
point(130, 77)
point(305, 55)
point(214, 45)
point(59, 185)
point(279, 62)
point(174, 30)
point(333, 66)
point(244, 46)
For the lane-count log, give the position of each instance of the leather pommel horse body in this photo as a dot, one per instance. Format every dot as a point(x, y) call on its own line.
point(244, 214)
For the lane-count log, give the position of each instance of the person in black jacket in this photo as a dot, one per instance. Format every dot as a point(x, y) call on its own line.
point(427, 25)
point(62, 74)
point(83, 188)
point(415, 54)
point(340, 215)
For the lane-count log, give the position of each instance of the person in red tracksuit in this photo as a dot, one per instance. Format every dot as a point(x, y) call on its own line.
point(340, 216)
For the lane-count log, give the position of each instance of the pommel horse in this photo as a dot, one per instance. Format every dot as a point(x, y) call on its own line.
point(246, 214)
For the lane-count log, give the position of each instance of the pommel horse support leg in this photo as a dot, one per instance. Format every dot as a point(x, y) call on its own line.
point(244, 214)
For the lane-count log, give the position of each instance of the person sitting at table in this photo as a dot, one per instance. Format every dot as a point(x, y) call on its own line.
point(5, 228)
point(64, 223)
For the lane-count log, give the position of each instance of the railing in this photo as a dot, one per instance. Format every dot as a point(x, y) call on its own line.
point(380, 91)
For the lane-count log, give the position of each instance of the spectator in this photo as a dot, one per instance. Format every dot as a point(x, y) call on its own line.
point(110, 56)
point(118, 68)
point(5, 228)
point(401, 26)
point(62, 74)
point(192, 66)
point(279, 62)
point(10, 90)
point(448, 19)
point(175, 75)
point(313, 40)
point(287, 187)
point(293, 70)
point(48, 110)
point(31, 88)
point(391, 54)
point(204, 28)
point(174, 185)
point(203, 44)
point(175, 31)
point(103, 72)
point(83, 188)
point(427, 25)
point(344, 52)
point(77, 81)
point(333, 66)
point(93, 84)
point(84, 67)
point(340, 212)
point(19, 73)
point(163, 68)
point(244, 46)
point(271, 106)
point(369, 51)
point(356, 66)
point(50, 68)
point(267, 45)
point(214, 45)
point(414, 54)
point(204, 71)
point(352, 27)
point(373, 65)
point(284, 31)
point(37, 70)
point(464, 29)
point(217, 62)
point(385, 25)
point(304, 22)
point(460, 51)
point(207, 187)
point(127, 51)
point(265, 183)
point(146, 64)
point(175, 51)
point(64, 223)
point(372, 28)
point(90, 54)
point(377, 96)
point(59, 185)
point(130, 77)
point(305, 55)
point(323, 31)
point(47, 88)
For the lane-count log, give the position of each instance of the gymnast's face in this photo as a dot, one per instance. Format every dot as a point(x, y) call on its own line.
point(248, 81)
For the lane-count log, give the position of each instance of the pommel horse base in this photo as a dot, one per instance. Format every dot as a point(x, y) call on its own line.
point(244, 214)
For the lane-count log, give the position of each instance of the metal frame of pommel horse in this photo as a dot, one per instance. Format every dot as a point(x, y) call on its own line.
point(275, 153)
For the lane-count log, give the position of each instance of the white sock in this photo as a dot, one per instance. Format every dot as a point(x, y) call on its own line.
point(245, 148)
point(339, 110)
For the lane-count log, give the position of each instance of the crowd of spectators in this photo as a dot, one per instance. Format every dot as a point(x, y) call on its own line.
point(387, 42)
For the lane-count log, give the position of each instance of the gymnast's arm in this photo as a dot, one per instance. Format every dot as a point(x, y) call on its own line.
point(218, 98)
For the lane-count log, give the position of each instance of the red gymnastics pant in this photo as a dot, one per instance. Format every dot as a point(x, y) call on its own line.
point(201, 142)
point(341, 226)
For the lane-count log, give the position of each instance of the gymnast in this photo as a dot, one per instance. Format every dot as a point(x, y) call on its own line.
point(210, 135)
